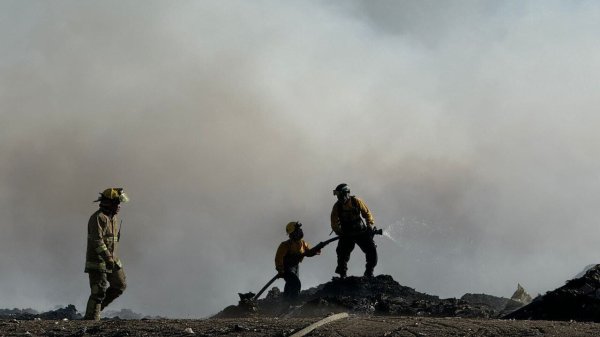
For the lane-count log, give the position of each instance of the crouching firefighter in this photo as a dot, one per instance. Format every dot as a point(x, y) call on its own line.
point(347, 223)
point(288, 257)
point(105, 270)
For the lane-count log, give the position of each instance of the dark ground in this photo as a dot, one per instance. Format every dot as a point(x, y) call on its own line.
point(377, 306)
point(348, 327)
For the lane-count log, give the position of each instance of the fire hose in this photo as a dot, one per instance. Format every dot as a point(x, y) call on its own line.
point(319, 246)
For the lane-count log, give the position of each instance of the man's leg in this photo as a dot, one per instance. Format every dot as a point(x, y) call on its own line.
point(118, 283)
point(343, 250)
point(291, 290)
point(98, 286)
point(368, 246)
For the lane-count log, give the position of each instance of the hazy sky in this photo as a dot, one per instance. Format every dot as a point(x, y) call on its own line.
point(468, 127)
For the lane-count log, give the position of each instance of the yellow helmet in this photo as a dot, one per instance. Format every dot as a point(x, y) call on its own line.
point(114, 194)
point(292, 226)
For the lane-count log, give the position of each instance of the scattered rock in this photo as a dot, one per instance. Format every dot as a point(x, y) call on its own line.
point(189, 331)
point(239, 328)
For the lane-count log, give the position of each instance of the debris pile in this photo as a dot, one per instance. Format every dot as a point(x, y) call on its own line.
point(578, 299)
point(127, 314)
point(69, 312)
point(500, 305)
point(585, 270)
point(521, 295)
point(18, 313)
point(379, 295)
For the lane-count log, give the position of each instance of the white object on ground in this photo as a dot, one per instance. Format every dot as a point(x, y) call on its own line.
point(317, 324)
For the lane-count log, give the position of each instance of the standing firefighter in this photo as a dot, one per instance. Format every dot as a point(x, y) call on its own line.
point(288, 257)
point(107, 278)
point(347, 223)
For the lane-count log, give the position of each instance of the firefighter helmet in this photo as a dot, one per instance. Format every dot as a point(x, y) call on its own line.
point(115, 194)
point(292, 226)
point(341, 189)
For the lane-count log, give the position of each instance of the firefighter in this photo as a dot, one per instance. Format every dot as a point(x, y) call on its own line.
point(103, 266)
point(353, 222)
point(288, 257)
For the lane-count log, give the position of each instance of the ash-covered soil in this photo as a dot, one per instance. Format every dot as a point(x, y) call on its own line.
point(355, 325)
point(377, 306)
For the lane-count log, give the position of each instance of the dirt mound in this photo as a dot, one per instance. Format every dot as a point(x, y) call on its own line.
point(363, 287)
point(380, 295)
point(578, 299)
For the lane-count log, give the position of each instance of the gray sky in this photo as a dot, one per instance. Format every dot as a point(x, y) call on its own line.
point(468, 127)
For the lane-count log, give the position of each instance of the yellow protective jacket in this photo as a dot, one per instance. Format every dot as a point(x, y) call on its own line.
point(290, 253)
point(102, 242)
point(348, 208)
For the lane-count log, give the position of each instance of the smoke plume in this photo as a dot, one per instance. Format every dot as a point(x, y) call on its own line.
point(468, 127)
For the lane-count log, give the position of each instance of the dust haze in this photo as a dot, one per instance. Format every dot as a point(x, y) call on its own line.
point(468, 127)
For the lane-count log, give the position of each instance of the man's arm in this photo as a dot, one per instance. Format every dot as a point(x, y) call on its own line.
point(95, 234)
point(281, 251)
point(309, 251)
point(335, 220)
point(366, 213)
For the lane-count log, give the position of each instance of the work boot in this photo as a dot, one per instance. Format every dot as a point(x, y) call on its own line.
point(341, 272)
point(92, 311)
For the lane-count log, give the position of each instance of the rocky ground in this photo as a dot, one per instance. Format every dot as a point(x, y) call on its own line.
point(355, 325)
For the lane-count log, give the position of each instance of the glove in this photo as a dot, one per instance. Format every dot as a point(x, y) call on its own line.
point(110, 263)
point(312, 252)
point(376, 231)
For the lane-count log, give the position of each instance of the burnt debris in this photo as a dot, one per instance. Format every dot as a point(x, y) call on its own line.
point(578, 300)
point(69, 312)
point(380, 295)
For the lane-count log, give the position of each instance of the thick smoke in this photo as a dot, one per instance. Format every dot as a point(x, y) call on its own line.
point(469, 128)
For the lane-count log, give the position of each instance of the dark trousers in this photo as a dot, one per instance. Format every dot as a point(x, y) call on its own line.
point(346, 245)
point(291, 290)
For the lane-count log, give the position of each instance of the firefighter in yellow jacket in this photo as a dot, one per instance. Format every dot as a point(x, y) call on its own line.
point(104, 268)
point(288, 257)
point(353, 222)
